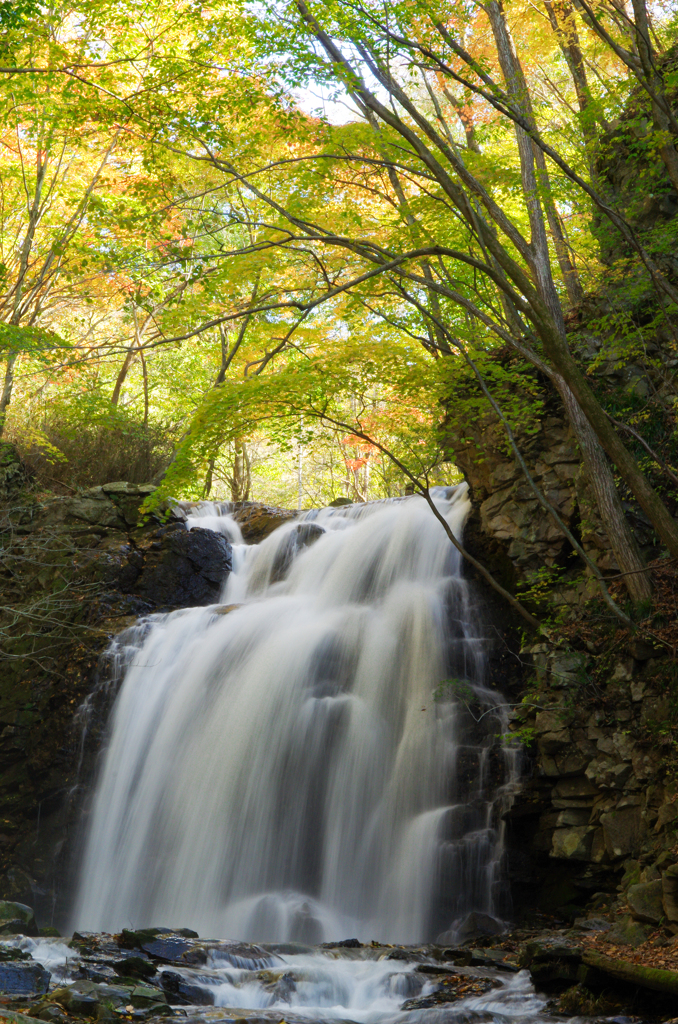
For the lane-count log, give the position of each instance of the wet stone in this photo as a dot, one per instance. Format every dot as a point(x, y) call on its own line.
point(458, 957)
point(13, 953)
point(240, 954)
point(95, 972)
point(21, 978)
point(143, 996)
point(452, 988)
point(133, 967)
point(168, 949)
point(181, 992)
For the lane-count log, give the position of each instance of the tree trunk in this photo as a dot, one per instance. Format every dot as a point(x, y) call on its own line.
point(241, 481)
point(8, 384)
point(623, 543)
point(660, 106)
point(124, 370)
point(536, 183)
point(558, 353)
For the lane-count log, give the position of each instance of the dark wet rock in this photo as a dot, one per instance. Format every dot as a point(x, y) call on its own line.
point(181, 992)
point(458, 957)
point(133, 967)
point(16, 919)
point(406, 955)
point(143, 996)
point(670, 892)
point(343, 944)
point(84, 989)
point(553, 964)
point(196, 957)
point(89, 999)
point(187, 933)
point(21, 978)
point(83, 1004)
point(51, 1012)
point(183, 568)
point(452, 988)
point(95, 971)
point(241, 954)
point(10, 953)
point(169, 948)
point(134, 939)
point(84, 941)
point(492, 958)
point(302, 536)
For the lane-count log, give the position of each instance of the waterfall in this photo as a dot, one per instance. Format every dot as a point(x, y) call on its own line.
point(286, 766)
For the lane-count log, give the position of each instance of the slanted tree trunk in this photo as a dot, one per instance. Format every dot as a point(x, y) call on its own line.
point(622, 541)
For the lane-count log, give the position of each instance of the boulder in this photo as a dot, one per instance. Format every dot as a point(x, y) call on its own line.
point(23, 978)
point(142, 997)
point(257, 520)
point(168, 948)
point(181, 992)
point(623, 830)
point(181, 568)
point(133, 967)
point(572, 843)
point(240, 954)
point(16, 919)
point(552, 964)
point(627, 932)
point(645, 901)
point(452, 987)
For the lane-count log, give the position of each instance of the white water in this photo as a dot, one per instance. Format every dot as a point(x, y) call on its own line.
point(329, 986)
point(283, 772)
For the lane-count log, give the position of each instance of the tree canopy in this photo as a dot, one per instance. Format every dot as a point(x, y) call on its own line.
point(282, 250)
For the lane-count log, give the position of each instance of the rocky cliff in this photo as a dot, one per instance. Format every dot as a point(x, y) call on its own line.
point(596, 708)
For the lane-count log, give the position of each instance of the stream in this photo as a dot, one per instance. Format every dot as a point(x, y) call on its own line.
point(368, 985)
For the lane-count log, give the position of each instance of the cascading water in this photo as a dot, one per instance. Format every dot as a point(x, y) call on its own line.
point(281, 770)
